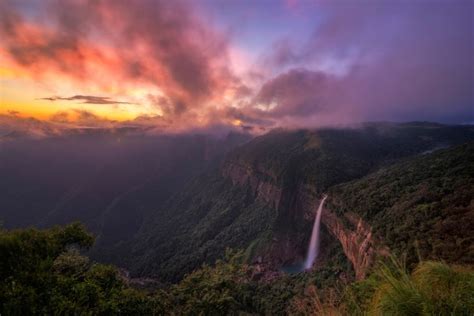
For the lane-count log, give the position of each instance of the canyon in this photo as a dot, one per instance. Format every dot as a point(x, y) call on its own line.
point(257, 195)
point(360, 245)
point(355, 236)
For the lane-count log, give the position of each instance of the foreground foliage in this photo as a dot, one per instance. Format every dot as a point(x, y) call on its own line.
point(43, 272)
point(422, 207)
point(432, 288)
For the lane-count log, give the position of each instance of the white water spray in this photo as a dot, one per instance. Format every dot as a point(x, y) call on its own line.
point(314, 243)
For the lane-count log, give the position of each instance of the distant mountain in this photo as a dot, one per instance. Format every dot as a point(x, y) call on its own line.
point(162, 205)
point(263, 197)
point(12, 127)
point(109, 180)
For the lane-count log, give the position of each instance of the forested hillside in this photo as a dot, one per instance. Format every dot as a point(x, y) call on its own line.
point(423, 206)
point(419, 205)
point(236, 157)
point(107, 179)
point(43, 272)
point(263, 196)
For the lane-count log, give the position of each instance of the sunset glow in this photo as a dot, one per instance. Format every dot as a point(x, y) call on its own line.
point(232, 63)
point(236, 157)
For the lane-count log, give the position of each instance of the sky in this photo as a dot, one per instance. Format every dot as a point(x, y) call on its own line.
point(228, 64)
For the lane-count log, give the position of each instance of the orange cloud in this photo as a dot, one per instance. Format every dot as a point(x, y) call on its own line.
point(113, 46)
point(116, 46)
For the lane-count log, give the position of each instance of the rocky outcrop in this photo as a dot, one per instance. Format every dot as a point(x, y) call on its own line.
point(265, 187)
point(141, 283)
point(287, 246)
point(358, 243)
point(299, 203)
point(259, 182)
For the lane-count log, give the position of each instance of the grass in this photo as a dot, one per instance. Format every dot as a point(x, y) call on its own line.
point(432, 288)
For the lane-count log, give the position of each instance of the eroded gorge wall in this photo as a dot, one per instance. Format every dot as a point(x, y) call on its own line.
point(296, 207)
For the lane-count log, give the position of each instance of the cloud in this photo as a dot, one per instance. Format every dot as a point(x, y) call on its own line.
point(86, 99)
point(60, 116)
point(13, 126)
point(298, 92)
point(13, 112)
point(81, 118)
point(165, 44)
point(376, 61)
point(366, 60)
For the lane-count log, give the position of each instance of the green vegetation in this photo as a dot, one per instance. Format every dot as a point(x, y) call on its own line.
point(225, 288)
point(43, 273)
point(433, 288)
point(423, 207)
point(326, 157)
point(210, 213)
point(197, 227)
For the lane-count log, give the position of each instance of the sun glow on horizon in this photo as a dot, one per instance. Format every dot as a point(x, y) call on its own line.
point(186, 65)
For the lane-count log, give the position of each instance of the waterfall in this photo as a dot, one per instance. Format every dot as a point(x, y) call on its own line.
point(313, 248)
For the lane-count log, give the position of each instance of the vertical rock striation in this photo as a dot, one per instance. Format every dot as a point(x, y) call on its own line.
point(298, 203)
point(358, 242)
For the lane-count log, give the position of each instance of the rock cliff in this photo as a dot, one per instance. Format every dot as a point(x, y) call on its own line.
point(296, 206)
point(259, 182)
point(359, 244)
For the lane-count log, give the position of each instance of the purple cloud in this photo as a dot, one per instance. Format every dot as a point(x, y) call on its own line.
point(86, 99)
point(381, 60)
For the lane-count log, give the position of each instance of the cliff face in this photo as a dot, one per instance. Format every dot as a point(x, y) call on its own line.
point(297, 205)
point(258, 182)
point(265, 195)
point(291, 205)
point(298, 200)
point(358, 242)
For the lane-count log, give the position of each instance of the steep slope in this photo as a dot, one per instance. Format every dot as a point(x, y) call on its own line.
point(198, 226)
point(108, 180)
point(360, 246)
point(421, 207)
point(264, 196)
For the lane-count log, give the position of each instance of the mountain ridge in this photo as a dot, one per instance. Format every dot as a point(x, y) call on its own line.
point(260, 182)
